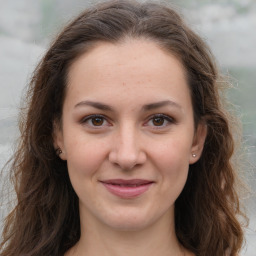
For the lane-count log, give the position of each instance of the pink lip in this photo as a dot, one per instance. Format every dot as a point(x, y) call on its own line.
point(127, 188)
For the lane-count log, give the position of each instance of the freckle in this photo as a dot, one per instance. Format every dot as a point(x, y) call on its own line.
point(124, 83)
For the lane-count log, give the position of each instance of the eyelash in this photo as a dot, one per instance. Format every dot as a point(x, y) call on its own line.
point(91, 117)
point(166, 118)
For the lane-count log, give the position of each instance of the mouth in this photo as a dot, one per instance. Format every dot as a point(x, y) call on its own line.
point(127, 188)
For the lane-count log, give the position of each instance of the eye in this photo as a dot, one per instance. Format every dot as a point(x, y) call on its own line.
point(95, 121)
point(160, 120)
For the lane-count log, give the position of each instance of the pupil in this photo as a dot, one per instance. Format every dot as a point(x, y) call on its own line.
point(158, 121)
point(97, 121)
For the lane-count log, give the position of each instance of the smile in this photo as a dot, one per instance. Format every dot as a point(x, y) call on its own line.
point(127, 188)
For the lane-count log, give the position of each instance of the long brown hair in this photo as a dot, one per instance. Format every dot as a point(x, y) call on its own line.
point(45, 220)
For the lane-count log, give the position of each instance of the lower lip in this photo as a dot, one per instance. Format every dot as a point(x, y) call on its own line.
point(126, 191)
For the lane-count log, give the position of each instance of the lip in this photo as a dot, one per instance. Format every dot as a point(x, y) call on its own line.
point(127, 188)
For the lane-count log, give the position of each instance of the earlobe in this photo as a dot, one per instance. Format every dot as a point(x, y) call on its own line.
point(58, 141)
point(198, 143)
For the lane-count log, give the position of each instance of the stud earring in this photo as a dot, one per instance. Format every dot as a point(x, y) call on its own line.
point(194, 155)
point(58, 151)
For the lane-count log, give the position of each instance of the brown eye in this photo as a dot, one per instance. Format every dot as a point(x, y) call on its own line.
point(158, 121)
point(97, 121)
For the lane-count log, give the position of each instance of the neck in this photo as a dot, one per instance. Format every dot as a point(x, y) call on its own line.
point(98, 239)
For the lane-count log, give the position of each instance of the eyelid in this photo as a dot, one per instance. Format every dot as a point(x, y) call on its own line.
point(168, 118)
point(89, 117)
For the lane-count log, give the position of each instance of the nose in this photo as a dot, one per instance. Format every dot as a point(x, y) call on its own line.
point(126, 150)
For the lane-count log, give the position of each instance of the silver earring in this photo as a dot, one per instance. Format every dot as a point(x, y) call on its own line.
point(194, 155)
point(58, 151)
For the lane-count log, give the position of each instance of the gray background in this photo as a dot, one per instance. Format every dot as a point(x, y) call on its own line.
point(228, 26)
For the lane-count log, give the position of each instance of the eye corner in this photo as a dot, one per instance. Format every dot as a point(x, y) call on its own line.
point(163, 121)
point(91, 121)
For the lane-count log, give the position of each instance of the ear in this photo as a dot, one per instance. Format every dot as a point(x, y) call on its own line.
point(198, 142)
point(58, 141)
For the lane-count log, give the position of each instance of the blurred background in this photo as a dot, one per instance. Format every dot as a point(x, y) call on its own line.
point(228, 26)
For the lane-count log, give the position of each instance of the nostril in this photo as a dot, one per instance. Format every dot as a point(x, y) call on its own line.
point(127, 155)
point(113, 157)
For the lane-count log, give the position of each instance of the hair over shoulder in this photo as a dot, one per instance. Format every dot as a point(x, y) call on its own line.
point(45, 220)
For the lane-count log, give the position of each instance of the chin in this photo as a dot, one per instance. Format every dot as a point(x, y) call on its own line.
point(127, 225)
point(129, 221)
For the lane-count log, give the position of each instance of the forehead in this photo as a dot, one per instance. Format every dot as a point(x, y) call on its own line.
point(127, 52)
point(139, 66)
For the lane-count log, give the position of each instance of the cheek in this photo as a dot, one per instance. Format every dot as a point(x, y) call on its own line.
point(84, 159)
point(172, 152)
point(172, 161)
point(84, 156)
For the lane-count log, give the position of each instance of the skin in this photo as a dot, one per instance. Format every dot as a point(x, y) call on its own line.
point(128, 142)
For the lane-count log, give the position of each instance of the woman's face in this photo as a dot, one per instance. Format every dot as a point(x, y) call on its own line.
point(128, 134)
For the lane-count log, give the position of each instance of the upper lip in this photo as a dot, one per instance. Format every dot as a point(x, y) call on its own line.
point(127, 182)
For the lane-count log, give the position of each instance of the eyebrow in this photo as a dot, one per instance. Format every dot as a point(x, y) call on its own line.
point(146, 107)
point(161, 104)
point(94, 104)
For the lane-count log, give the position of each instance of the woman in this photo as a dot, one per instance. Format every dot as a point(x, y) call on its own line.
point(125, 148)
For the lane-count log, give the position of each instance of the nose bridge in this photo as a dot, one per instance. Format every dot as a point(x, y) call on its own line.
point(127, 151)
point(127, 141)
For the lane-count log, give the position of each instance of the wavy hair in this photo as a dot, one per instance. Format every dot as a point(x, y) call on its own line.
point(45, 220)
